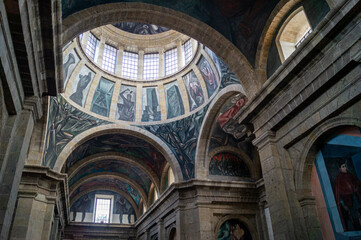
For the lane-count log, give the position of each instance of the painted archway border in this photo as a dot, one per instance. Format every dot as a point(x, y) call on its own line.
point(121, 129)
point(205, 134)
point(99, 15)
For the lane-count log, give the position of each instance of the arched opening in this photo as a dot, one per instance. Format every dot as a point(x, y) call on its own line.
point(292, 33)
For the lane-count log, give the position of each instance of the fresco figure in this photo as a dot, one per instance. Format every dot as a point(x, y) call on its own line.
point(347, 190)
point(83, 206)
point(102, 97)
point(83, 82)
point(120, 208)
point(126, 109)
point(233, 230)
point(227, 164)
point(208, 76)
point(174, 102)
point(151, 105)
point(67, 64)
point(194, 90)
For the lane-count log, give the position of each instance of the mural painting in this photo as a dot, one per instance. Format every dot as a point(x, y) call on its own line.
point(126, 103)
point(208, 75)
point(81, 85)
point(110, 183)
point(227, 76)
point(121, 143)
point(339, 169)
point(194, 90)
point(181, 137)
point(233, 229)
point(174, 100)
point(69, 63)
point(64, 123)
point(151, 106)
point(228, 164)
point(102, 97)
point(113, 166)
point(85, 206)
point(140, 28)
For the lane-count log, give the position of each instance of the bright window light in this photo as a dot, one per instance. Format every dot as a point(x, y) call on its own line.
point(102, 210)
point(91, 46)
point(130, 65)
point(187, 51)
point(151, 66)
point(109, 58)
point(171, 61)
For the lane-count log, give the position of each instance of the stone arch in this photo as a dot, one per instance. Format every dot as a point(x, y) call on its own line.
point(163, 177)
point(269, 31)
point(254, 169)
point(129, 199)
point(242, 219)
point(123, 129)
point(149, 200)
point(118, 176)
point(316, 137)
point(99, 15)
point(208, 123)
point(116, 156)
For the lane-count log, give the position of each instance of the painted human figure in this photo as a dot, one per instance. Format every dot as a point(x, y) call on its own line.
point(83, 206)
point(195, 91)
point(83, 82)
point(347, 192)
point(67, 64)
point(126, 110)
point(209, 77)
point(121, 208)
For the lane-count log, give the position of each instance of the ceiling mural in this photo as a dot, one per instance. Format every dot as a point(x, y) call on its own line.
point(241, 22)
point(113, 166)
point(64, 123)
point(121, 143)
point(109, 183)
point(140, 28)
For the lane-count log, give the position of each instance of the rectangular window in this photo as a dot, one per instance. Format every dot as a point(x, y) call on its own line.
point(151, 66)
point(187, 51)
point(91, 46)
point(81, 37)
point(130, 65)
point(102, 210)
point(109, 58)
point(171, 61)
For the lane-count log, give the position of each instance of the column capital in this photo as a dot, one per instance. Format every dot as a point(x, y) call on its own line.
point(265, 138)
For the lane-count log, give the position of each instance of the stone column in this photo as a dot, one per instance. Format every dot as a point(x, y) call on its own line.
point(99, 60)
point(37, 196)
point(161, 230)
point(276, 194)
point(54, 228)
point(161, 63)
point(120, 61)
point(140, 64)
point(308, 205)
point(180, 54)
point(14, 150)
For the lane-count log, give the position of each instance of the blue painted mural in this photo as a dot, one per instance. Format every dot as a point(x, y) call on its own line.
point(102, 97)
point(64, 123)
point(174, 100)
point(126, 144)
point(126, 103)
point(113, 183)
point(113, 166)
point(85, 204)
point(80, 88)
point(150, 103)
point(208, 75)
point(194, 90)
